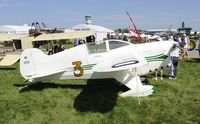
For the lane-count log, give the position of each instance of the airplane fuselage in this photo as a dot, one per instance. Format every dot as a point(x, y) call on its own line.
point(81, 62)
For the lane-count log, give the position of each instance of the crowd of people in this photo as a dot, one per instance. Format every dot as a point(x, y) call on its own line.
point(184, 43)
point(56, 49)
point(175, 55)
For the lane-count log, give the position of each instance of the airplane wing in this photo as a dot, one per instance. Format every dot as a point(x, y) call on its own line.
point(66, 35)
point(9, 60)
point(120, 63)
point(8, 37)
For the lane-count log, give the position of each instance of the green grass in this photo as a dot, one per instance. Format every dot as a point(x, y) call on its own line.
point(97, 101)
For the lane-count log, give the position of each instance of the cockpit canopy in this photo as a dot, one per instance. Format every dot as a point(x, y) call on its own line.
point(106, 46)
point(114, 44)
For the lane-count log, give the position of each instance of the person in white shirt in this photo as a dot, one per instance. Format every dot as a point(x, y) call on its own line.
point(185, 41)
point(178, 39)
point(174, 55)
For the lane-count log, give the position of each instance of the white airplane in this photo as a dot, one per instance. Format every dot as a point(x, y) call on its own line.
point(116, 59)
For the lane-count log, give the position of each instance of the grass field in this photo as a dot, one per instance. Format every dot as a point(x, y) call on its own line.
point(97, 101)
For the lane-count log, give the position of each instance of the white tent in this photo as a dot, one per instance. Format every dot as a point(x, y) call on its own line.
point(14, 29)
point(101, 32)
point(6, 30)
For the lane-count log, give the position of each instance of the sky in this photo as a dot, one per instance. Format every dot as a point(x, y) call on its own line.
point(147, 14)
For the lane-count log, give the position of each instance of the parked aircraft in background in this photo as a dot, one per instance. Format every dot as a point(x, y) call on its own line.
point(136, 35)
point(13, 42)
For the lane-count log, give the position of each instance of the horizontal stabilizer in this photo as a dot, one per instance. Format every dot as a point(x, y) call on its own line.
point(47, 74)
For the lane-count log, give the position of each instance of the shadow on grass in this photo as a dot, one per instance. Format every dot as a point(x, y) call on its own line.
point(98, 96)
point(41, 86)
point(7, 68)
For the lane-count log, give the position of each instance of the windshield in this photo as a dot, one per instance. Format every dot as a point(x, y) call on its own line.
point(117, 44)
point(96, 48)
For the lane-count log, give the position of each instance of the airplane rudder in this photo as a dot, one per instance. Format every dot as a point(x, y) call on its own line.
point(28, 59)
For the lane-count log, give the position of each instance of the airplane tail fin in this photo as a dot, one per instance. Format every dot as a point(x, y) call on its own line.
point(30, 61)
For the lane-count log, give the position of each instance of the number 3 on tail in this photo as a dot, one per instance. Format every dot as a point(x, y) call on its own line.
point(78, 67)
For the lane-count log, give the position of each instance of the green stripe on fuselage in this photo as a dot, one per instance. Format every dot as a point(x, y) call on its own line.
point(155, 56)
point(88, 66)
point(85, 67)
point(159, 57)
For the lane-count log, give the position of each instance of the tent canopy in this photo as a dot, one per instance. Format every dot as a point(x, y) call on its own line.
point(62, 36)
point(96, 28)
point(9, 37)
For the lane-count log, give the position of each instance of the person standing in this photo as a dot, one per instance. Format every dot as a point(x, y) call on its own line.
point(76, 41)
point(185, 48)
point(199, 47)
point(174, 55)
point(178, 39)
